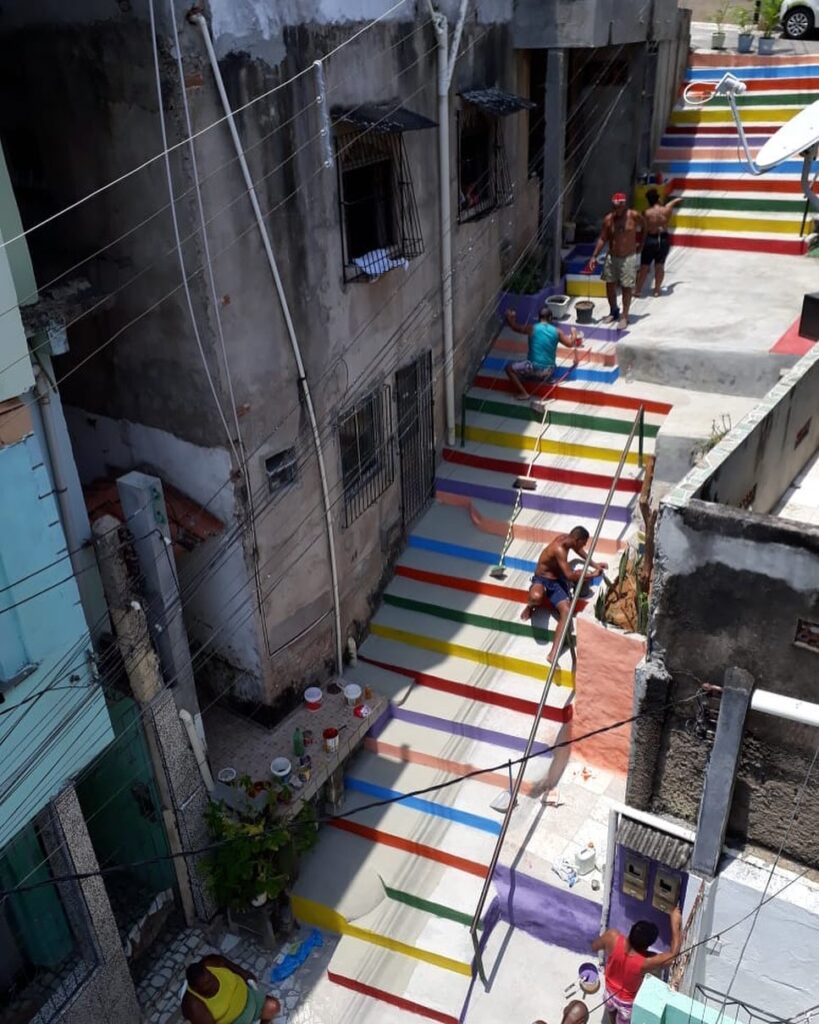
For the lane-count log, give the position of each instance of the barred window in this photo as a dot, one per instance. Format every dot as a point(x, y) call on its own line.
point(365, 442)
point(380, 225)
point(484, 181)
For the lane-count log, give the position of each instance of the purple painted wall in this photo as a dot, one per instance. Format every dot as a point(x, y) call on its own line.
point(624, 910)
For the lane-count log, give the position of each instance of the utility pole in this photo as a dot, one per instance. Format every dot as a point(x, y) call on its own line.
point(145, 679)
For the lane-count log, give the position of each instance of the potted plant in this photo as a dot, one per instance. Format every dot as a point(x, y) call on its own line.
point(745, 38)
point(718, 35)
point(768, 23)
point(525, 291)
point(258, 858)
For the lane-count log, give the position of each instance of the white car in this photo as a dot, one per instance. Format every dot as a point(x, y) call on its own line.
point(799, 17)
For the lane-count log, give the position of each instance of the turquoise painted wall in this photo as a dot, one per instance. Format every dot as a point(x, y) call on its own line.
point(656, 1003)
point(47, 740)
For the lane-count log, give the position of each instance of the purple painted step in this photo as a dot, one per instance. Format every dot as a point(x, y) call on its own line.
point(538, 502)
point(554, 915)
point(473, 732)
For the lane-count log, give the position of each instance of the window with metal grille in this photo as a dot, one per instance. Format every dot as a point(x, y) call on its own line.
point(281, 469)
point(365, 442)
point(380, 226)
point(484, 181)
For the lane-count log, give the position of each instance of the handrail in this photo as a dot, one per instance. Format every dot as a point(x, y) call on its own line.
point(564, 632)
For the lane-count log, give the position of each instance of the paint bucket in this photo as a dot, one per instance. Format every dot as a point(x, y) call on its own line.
point(352, 694)
point(280, 769)
point(585, 860)
point(330, 737)
point(313, 697)
point(227, 775)
point(583, 311)
point(559, 305)
point(588, 975)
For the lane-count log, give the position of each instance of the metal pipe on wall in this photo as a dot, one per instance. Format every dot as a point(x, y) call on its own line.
point(201, 23)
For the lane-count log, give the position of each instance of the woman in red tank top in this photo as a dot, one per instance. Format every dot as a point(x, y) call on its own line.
point(628, 961)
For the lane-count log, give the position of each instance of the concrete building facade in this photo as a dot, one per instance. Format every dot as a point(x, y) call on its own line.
point(189, 369)
point(735, 589)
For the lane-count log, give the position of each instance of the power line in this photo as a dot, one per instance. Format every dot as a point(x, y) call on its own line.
point(372, 805)
point(487, 306)
point(245, 619)
point(202, 131)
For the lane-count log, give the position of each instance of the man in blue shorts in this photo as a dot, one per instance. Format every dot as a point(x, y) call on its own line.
point(554, 577)
point(539, 364)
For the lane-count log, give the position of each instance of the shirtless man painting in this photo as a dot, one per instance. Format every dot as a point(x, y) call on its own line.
point(656, 244)
point(554, 576)
point(620, 230)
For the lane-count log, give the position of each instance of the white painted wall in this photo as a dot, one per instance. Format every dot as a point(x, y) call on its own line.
point(778, 972)
point(218, 611)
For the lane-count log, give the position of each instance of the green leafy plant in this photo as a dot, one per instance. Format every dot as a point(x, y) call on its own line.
point(528, 278)
point(768, 17)
point(743, 18)
point(260, 852)
point(721, 14)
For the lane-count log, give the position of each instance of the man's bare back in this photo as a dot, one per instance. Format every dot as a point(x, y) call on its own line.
point(656, 218)
point(553, 561)
point(621, 230)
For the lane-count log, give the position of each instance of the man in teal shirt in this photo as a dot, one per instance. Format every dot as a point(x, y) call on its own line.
point(539, 365)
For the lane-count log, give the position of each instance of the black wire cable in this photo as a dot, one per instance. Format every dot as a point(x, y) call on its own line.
point(372, 805)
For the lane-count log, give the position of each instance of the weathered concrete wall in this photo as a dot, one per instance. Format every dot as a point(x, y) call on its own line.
point(109, 993)
point(729, 586)
point(777, 971)
point(97, 80)
point(582, 23)
point(760, 458)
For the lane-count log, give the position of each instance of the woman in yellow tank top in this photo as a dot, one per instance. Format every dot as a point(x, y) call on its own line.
point(218, 993)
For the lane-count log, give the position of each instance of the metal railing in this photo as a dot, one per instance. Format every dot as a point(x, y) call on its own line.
point(638, 426)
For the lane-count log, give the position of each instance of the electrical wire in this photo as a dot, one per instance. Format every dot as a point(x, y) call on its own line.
point(202, 131)
point(580, 167)
point(376, 804)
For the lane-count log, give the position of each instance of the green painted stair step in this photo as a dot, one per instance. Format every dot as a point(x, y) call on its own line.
point(561, 419)
point(516, 628)
point(759, 205)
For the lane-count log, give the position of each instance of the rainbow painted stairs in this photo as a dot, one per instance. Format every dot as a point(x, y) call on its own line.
point(464, 675)
point(724, 206)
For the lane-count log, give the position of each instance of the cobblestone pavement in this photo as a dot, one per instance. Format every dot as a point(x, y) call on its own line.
point(159, 991)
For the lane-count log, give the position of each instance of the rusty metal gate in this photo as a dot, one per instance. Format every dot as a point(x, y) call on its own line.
point(416, 435)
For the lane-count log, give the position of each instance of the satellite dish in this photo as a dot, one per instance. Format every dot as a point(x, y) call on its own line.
point(793, 138)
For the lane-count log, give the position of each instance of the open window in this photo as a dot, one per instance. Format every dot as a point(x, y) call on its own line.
point(380, 226)
point(365, 441)
point(484, 181)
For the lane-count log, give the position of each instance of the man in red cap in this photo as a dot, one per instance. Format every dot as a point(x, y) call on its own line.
point(621, 229)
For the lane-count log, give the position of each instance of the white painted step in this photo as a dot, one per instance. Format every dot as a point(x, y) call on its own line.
point(409, 738)
point(528, 650)
point(550, 522)
point(462, 670)
point(422, 930)
point(566, 407)
point(403, 978)
point(464, 569)
point(555, 433)
point(552, 488)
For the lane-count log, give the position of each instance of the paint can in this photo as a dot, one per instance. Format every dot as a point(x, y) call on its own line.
point(352, 694)
point(330, 737)
point(305, 768)
point(585, 860)
point(588, 974)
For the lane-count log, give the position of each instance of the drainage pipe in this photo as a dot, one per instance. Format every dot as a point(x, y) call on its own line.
point(201, 23)
point(446, 69)
point(768, 703)
point(441, 33)
point(198, 749)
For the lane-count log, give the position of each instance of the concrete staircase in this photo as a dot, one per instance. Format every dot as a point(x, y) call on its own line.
point(724, 206)
point(401, 882)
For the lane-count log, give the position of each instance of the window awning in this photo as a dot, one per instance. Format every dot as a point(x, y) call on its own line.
point(388, 118)
point(496, 102)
